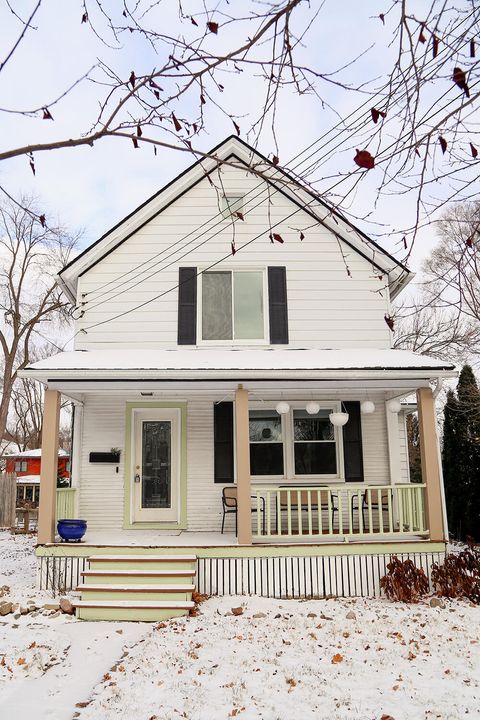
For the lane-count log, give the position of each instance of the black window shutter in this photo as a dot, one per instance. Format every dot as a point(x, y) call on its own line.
point(352, 443)
point(277, 301)
point(223, 442)
point(187, 306)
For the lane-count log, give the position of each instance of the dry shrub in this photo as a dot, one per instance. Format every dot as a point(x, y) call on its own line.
point(404, 581)
point(459, 575)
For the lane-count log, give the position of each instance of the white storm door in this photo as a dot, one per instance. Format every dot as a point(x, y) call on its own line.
point(156, 466)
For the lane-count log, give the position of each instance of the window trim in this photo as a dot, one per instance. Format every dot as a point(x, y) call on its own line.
point(289, 476)
point(241, 341)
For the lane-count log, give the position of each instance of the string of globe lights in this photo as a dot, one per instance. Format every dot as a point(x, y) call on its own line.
point(340, 418)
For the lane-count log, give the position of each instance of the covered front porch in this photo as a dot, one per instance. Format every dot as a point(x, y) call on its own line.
point(289, 478)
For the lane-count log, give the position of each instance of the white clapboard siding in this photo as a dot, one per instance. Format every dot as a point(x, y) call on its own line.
point(327, 308)
point(101, 488)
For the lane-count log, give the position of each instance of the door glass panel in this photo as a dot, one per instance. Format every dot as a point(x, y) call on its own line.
point(248, 305)
point(156, 464)
point(217, 306)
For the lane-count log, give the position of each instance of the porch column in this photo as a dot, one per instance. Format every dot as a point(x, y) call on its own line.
point(242, 443)
point(429, 456)
point(48, 475)
point(393, 441)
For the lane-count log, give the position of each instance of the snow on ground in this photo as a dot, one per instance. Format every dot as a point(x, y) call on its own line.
point(279, 660)
point(290, 660)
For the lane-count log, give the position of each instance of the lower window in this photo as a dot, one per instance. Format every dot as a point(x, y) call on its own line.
point(266, 443)
point(314, 443)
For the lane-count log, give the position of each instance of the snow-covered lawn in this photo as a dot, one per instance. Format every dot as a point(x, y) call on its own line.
point(278, 660)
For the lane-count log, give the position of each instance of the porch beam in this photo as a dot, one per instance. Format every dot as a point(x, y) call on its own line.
point(429, 457)
point(244, 489)
point(49, 468)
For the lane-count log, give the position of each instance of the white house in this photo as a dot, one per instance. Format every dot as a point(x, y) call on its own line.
point(231, 342)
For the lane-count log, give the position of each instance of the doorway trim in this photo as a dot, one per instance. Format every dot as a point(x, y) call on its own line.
point(128, 522)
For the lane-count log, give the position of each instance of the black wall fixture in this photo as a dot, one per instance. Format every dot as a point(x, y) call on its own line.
point(104, 457)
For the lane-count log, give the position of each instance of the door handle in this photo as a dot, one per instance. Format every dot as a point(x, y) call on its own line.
point(137, 478)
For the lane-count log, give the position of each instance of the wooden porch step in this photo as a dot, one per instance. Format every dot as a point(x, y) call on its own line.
point(144, 558)
point(136, 591)
point(127, 577)
point(137, 610)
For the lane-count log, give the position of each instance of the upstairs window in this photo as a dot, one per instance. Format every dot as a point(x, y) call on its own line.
point(233, 305)
point(230, 204)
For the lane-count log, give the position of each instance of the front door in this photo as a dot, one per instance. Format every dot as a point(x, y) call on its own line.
point(156, 465)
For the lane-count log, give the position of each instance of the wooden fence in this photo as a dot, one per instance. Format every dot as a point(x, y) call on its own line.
point(8, 497)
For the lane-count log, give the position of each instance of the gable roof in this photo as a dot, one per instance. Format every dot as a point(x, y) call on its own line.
point(233, 148)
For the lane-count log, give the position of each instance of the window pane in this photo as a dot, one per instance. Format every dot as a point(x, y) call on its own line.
point(312, 427)
point(156, 464)
point(266, 458)
point(248, 305)
point(265, 426)
point(217, 306)
point(231, 204)
point(315, 459)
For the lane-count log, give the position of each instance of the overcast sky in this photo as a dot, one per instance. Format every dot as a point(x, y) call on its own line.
point(93, 188)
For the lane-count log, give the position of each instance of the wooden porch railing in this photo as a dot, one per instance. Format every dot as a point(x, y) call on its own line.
point(344, 511)
point(65, 503)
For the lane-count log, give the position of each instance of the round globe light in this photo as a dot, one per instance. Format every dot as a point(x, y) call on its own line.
point(338, 418)
point(282, 408)
point(367, 407)
point(394, 406)
point(312, 408)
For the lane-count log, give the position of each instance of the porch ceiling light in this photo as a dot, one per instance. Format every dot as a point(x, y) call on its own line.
point(312, 408)
point(338, 418)
point(282, 408)
point(367, 407)
point(394, 406)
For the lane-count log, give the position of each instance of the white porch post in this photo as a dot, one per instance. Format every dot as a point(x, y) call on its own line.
point(393, 441)
point(242, 441)
point(48, 475)
point(429, 455)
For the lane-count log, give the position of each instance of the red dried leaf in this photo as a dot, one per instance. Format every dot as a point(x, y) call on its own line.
point(239, 215)
point(390, 321)
point(417, 152)
point(382, 18)
point(387, 717)
point(84, 18)
point(364, 160)
point(32, 164)
point(47, 115)
point(302, 236)
point(232, 245)
point(220, 87)
point(213, 27)
point(154, 149)
point(195, 127)
point(275, 160)
point(237, 127)
point(421, 37)
point(472, 48)
point(337, 658)
point(202, 99)
point(404, 240)
point(434, 46)
point(132, 79)
point(276, 236)
point(460, 79)
point(177, 125)
point(135, 142)
point(473, 150)
point(193, 21)
point(43, 222)
point(376, 114)
point(153, 84)
point(124, 13)
point(443, 144)
point(139, 131)
point(157, 94)
point(470, 241)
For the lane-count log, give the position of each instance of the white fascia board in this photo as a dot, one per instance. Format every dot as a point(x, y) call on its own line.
point(201, 374)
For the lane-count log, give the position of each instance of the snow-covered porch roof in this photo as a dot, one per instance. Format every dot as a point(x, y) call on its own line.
point(224, 368)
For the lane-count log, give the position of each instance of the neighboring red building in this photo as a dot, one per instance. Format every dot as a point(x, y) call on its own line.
point(29, 463)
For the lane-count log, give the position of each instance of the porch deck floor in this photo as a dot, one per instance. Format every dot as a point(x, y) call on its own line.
point(159, 539)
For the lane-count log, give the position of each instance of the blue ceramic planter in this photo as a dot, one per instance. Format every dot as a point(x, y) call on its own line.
point(72, 530)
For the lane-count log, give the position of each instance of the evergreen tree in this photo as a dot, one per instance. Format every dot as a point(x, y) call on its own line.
point(461, 457)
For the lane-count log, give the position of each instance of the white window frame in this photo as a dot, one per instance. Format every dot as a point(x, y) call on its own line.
point(24, 466)
point(241, 341)
point(289, 475)
point(18, 466)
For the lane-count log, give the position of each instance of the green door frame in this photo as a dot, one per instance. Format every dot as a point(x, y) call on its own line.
point(128, 477)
